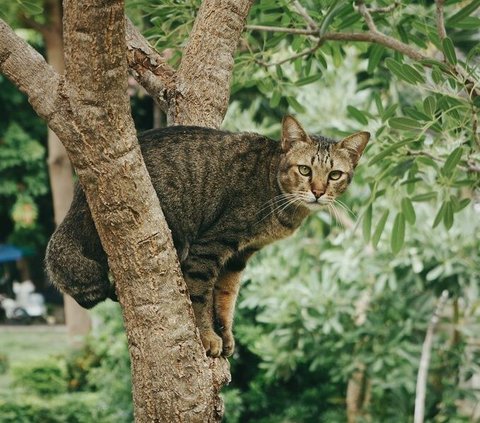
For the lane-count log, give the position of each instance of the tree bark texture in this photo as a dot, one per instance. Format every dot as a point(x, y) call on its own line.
point(198, 92)
point(88, 108)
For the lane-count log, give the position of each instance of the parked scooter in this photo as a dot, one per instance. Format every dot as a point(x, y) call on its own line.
point(28, 306)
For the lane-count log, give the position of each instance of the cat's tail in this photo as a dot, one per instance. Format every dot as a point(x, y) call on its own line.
point(75, 261)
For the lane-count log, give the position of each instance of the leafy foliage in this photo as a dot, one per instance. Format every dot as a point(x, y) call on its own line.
point(23, 171)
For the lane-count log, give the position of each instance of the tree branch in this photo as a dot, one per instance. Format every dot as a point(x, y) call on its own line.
point(365, 12)
point(308, 19)
point(369, 37)
point(440, 19)
point(149, 67)
point(425, 360)
point(204, 76)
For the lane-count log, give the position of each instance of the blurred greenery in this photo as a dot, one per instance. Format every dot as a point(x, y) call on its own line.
point(353, 292)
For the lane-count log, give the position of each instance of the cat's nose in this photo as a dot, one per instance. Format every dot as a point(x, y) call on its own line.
point(317, 193)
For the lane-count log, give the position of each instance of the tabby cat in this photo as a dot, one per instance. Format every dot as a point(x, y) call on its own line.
point(225, 196)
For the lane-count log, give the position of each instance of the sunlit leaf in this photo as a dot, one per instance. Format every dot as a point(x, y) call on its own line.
point(408, 210)
point(449, 50)
point(379, 229)
point(367, 224)
point(398, 233)
point(452, 160)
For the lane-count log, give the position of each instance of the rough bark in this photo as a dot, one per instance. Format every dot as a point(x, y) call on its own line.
point(88, 108)
point(204, 76)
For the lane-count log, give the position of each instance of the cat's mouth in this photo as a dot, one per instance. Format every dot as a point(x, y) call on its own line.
point(314, 203)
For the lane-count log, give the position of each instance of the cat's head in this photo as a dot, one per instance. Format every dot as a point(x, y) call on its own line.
point(315, 170)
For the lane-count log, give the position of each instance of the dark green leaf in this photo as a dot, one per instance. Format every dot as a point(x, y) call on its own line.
point(448, 215)
point(388, 151)
point(275, 100)
point(427, 196)
point(408, 210)
point(376, 53)
point(398, 233)
point(405, 123)
point(460, 205)
point(379, 229)
point(357, 115)
point(439, 216)
point(470, 22)
point(429, 105)
point(292, 101)
point(412, 74)
point(449, 50)
point(389, 112)
point(452, 161)
point(367, 224)
point(463, 13)
point(308, 79)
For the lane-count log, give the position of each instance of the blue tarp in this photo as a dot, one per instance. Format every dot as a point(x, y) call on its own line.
point(10, 253)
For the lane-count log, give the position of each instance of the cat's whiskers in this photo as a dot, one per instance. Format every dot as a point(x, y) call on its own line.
point(282, 204)
point(332, 207)
point(278, 198)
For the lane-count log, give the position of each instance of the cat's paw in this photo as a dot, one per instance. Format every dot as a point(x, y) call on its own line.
point(212, 343)
point(228, 343)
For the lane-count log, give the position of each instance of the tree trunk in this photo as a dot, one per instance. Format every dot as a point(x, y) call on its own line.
point(59, 168)
point(88, 108)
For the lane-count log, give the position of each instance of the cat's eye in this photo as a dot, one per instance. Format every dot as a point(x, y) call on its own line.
point(335, 175)
point(304, 170)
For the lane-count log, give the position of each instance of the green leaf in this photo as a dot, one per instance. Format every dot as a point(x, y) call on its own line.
point(470, 22)
point(408, 210)
point(292, 101)
point(308, 79)
point(357, 115)
point(452, 161)
point(275, 100)
point(404, 71)
point(367, 224)
point(398, 233)
point(439, 216)
point(379, 229)
point(460, 205)
point(404, 123)
point(463, 13)
point(389, 112)
point(448, 215)
point(427, 196)
point(376, 53)
point(412, 74)
point(388, 151)
point(449, 50)
point(429, 105)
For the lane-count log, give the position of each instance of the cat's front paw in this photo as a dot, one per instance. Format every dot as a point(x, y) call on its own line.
point(212, 343)
point(228, 343)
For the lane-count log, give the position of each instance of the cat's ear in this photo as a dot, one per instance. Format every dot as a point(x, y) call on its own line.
point(355, 144)
point(292, 132)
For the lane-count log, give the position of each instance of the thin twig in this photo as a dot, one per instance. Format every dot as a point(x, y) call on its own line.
point(365, 12)
point(297, 31)
point(369, 37)
point(386, 9)
point(303, 12)
point(421, 387)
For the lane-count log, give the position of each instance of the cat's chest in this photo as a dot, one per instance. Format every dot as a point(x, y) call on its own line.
point(266, 236)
